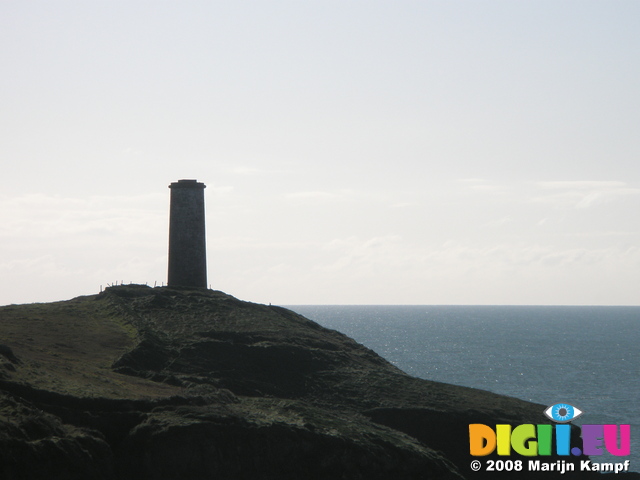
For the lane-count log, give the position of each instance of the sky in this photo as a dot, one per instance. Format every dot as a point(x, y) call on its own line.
point(354, 152)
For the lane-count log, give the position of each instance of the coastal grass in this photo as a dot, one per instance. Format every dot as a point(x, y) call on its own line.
point(69, 347)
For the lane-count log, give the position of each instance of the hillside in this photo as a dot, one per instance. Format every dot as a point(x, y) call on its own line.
point(175, 383)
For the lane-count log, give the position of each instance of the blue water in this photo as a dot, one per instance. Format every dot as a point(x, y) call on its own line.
point(585, 356)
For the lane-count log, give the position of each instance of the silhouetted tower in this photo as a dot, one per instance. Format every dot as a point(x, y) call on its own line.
point(187, 245)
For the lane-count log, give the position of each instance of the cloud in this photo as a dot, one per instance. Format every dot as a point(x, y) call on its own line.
point(462, 258)
point(582, 194)
point(226, 244)
point(220, 191)
point(50, 216)
point(52, 246)
point(404, 205)
point(247, 170)
point(45, 265)
point(479, 185)
point(313, 194)
point(496, 189)
point(581, 185)
point(471, 180)
point(320, 195)
point(355, 254)
point(499, 222)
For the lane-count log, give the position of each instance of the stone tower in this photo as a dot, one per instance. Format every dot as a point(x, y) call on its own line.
point(187, 246)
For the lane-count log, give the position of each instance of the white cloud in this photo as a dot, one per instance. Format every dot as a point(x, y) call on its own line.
point(479, 185)
point(581, 184)
point(220, 191)
point(471, 180)
point(45, 216)
point(404, 205)
point(494, 189)
point(246, 170)
point(583, 194)
point(53, 247)
point(313, 194)
point(390, 269)
point(223, 244)
point(499, 222)
point(354, 253)
point(321, 195)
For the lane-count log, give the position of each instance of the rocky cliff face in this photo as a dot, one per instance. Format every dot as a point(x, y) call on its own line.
point(175, 383)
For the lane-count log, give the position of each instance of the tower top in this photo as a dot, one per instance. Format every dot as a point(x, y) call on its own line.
point(187, 184)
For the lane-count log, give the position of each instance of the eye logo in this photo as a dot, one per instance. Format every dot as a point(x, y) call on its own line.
point(562, 412)
point(537, 440)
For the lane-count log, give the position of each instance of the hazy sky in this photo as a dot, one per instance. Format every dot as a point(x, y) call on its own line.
point(354, 152)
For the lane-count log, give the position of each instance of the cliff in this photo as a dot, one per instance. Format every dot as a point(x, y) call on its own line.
point(177, 383)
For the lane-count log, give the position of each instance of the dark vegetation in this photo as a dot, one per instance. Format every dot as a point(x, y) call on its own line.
point(174, 383)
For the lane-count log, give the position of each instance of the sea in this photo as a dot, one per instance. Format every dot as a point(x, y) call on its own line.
point(586, 356)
